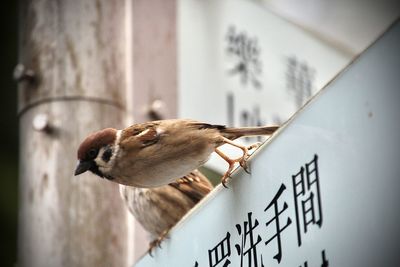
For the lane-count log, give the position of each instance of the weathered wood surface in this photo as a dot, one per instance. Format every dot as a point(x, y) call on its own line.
point(66, 220)
point(155, 58)
point(154, 72)
point(77, 50)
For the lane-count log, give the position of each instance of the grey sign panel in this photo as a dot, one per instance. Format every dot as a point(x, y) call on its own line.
point(324, 191)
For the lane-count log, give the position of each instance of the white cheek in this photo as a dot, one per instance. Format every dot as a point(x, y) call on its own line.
point(104, 167)
point(100, 163)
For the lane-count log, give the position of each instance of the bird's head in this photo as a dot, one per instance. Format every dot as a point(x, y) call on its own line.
point(97, 153)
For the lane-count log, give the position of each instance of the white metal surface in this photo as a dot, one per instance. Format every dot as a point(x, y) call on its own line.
point(349, 132)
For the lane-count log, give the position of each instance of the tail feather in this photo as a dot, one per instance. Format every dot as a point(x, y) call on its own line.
point(233, 133)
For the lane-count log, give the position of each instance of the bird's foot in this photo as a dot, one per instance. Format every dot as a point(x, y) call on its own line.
point(157, 242)
point(253, 146)
point(244, 164)
point(225, 178)
point(243, 160)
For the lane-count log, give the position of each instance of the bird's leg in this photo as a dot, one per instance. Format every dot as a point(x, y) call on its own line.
point(231, 163)
point(241, 160)
point(157, 242)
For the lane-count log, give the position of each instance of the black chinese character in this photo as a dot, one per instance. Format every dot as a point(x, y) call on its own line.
point(248, 246)
point(305, 191)
point(325, 263)
point(246, 52)
point(275, 219)
point(299, 80)
point(221, 251)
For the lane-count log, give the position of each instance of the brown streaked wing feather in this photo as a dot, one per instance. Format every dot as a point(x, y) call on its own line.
point(149, 136)
point(236, 132)
point(202, 125)
point(194, 185)
point(140, 135)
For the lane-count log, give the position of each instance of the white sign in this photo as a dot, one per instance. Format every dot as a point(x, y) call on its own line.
point(324, 191)
point(241, 65)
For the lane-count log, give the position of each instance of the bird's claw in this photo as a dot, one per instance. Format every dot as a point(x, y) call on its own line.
point(243, 160)
point(153, 244)
point(243, 163)
point(225, 179)
point(157, 242)
point(253, 146)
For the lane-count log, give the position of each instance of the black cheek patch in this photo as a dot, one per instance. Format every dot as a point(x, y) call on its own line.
point(107, 155)
point(95, 169)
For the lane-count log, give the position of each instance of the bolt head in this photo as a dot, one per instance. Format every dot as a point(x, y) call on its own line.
point(41, 122)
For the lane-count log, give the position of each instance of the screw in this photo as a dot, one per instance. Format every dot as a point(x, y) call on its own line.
point(41, 123)
point(21, 73)
point(157, 110)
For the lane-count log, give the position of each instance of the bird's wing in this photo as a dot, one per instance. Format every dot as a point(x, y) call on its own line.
point(140, 135)
point(236, 132)
point(203, 125)
point(194, 185)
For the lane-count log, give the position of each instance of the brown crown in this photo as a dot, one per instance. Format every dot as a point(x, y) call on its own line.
point(96, 140)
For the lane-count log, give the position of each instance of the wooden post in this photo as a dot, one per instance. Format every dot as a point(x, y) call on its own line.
point(154, 72)
point(155, 59)
point(72, 81)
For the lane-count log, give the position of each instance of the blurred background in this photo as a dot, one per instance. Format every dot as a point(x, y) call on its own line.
point(209, 35)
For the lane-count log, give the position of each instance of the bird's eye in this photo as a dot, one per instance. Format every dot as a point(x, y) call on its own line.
point(92, 153)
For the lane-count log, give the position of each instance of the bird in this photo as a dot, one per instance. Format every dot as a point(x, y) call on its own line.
point(158, 209)
point(156, 153)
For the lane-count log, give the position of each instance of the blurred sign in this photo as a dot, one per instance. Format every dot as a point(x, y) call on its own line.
point(323, 192)
point(241, 65)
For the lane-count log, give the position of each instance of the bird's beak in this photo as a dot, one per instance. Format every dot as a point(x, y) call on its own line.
point(82, 167)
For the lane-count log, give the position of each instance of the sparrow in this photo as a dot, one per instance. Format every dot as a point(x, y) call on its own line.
point(156, 153)
point(158, 209)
